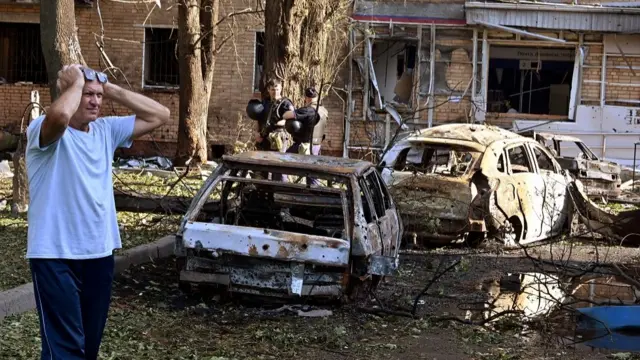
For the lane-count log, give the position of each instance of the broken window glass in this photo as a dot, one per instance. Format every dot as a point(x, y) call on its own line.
point(441, 160)
point(519, 161)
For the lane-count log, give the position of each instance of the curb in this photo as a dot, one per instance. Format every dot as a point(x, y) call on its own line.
point(20, 299)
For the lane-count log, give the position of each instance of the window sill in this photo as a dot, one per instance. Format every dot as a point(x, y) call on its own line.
point(78, 3)
point(160, 89)
point(524, 116)
point(24, 83)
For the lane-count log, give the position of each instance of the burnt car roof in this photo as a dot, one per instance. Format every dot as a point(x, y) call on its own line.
point(551, 136)
point(477, 136)
point(328, 164)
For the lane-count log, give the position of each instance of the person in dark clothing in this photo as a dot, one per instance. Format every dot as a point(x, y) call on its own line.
point(301, 123)
point(319, 129)
point(273, 125)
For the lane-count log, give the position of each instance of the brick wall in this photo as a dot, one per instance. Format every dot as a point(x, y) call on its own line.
point(233, 78)
point(123, 44)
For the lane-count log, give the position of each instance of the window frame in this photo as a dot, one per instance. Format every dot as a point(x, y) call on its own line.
point(535, 158)
point(145, 49)
point(257, 75)
point(532, 168)
point(14, 47)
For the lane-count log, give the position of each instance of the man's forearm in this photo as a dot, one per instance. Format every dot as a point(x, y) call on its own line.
point(66, 105)
point(59, 114)
point(145, 108)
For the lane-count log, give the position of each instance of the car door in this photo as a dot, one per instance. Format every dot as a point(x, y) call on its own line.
point(371, 217)
point(387, 218)
point(555, 213)
point(529, 188)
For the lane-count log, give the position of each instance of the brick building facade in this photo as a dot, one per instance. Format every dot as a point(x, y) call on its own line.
point(479, 56)
point(141, 41)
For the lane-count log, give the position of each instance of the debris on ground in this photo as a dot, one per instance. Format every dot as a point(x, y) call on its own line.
point(5, 170)
point(154, 162)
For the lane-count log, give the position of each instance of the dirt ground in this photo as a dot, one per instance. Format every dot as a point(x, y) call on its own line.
point(152, 319)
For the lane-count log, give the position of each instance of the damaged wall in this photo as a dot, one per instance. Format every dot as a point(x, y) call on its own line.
point(453, 70)
point(124, 38)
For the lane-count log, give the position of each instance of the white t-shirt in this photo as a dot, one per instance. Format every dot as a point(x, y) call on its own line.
point(72, 212)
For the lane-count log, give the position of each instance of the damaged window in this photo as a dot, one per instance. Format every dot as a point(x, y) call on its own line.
point(21, 58)
point(574, 150)
point(161, 57)
point(519, 161)
point(500, 164)
point(530, 80)
point(441, 160)
point(366, 205)
point(277, 205)
point(378, 196)
point(544, 161)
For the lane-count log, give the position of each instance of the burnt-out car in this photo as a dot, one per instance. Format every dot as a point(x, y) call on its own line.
point(250, 234)
point(599, 177)
point(459, 181)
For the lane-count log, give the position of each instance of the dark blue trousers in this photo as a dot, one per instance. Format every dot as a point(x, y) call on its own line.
point(72, 298)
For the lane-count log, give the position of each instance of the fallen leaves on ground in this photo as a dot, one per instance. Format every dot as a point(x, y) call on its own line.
point(135, 228)
point(151, 318)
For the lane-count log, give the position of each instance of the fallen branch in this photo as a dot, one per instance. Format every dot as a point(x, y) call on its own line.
point(159, 205)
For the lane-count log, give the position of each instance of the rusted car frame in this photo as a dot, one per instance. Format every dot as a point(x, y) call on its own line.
point(599, 177)
point(506, 185)
point(288, 239)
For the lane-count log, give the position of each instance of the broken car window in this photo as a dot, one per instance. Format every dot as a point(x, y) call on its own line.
point(441, 160)
point(500, 164)
point(384, 190)
point(573, 150)
point(544, 161)
point(401, 160)
point(518, 159)
point(267, 204)
point(366, 206)
point(376, 194)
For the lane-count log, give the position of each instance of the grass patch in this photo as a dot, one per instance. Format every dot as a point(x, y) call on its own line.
point(135, 228)
point(150, 318)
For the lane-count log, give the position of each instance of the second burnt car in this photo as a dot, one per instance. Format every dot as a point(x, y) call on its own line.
point(598, 176)
point(253, 235)
point(468, 181)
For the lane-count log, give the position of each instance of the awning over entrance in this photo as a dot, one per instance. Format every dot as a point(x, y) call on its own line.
point(555, 16)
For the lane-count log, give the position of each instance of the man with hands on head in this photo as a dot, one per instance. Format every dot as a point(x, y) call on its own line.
point(73, 227)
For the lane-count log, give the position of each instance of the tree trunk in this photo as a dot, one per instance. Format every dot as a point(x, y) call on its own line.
point(59, 38)
point(197, 25)
point(283, 21)
point(297, 36)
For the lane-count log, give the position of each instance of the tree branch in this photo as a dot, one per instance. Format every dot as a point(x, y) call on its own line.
point(214, 27)
point(246, 11)
point(222, 42)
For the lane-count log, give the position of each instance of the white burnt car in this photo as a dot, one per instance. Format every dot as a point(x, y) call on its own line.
point(259, 236)
point(467, 181)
